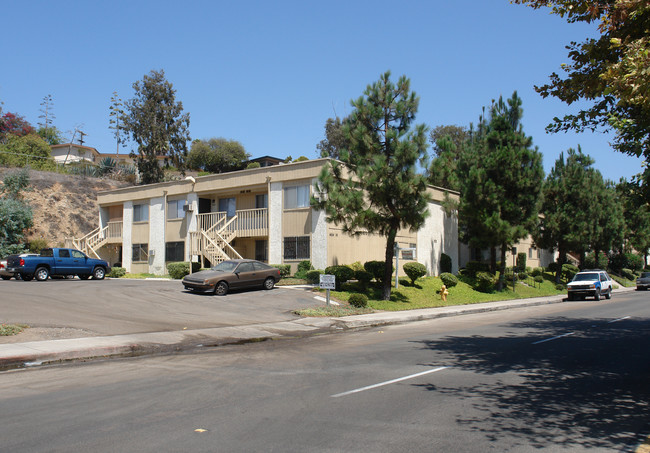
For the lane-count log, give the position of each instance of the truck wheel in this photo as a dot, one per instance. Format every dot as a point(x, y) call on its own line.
point(41, 274)
point(597, 295)
point(609, 294)
point(99, 273)
point(6, 277)
point(26, 277)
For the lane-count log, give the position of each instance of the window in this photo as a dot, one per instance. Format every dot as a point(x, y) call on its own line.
point(296, 248)
point(175, 209)
point(140, 252)
point(296, 197)
point(77, 254)
point(175, 251)
point(245, 267)
point(530, 252)
point(63, 253)
point(140, 212)
point(229, 206)
point(261, 201)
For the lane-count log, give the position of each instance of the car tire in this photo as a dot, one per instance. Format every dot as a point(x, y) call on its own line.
point(6, 277)
point(570, 297)
point(269, 283)
point(41, 274)
point(99, 273)
point(597, 295)
point(221, 289)
point(26, 277)
point(84, 276)
point(609, 294)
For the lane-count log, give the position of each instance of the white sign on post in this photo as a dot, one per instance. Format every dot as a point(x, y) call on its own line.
point(327, 281)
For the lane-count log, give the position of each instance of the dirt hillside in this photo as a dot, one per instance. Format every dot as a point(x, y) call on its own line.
point(63, 205)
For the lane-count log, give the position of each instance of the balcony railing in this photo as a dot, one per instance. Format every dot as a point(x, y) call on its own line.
point(248, 222)
point(114, 232)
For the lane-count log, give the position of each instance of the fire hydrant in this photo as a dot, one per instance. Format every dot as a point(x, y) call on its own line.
point(444, 293)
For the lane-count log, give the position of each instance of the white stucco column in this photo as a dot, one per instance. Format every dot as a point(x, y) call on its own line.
point(438, 235)
point(157, 236)
point(275, 223)
point(127, 241)
point(192, 221)
point(318, 237)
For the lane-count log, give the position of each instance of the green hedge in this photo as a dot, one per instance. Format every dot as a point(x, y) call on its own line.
point(449, 280)
point(414, 270)
point(180, 269)
point(445, 264)
point(117, 272)
point(358, 300)
point(341, 273)
point(285, 269)
point(313, 276)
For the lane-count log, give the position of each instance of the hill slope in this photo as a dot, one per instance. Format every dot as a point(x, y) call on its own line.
point(63, 205)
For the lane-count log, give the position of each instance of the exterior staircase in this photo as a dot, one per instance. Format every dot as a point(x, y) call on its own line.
point(90, 243)
point(213, 238)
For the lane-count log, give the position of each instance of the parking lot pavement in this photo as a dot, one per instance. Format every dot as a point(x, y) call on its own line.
point(123, 306)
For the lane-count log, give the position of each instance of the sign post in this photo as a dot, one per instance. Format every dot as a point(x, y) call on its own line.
point(328, 282)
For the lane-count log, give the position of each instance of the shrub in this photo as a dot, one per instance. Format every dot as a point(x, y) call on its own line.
point(445, 264)
point(560, 287)
point(552, 267)
point(356, 266)
point(472, 268)
point(539, 279)
point(341, 273)
point(313, 276)
point(522, 276)
point(358, 300)
point(376, 268)
point(449, 280)
point(303, 268)
point(485, 282)
point(285, 269)
point(634, 261)
point(180, 269)
point(521, 261)
point(364, 278)
point(569, 271)
point(117, 272)
point(538, 271)
point(36, 245)
point(415, 270)
point(628, 273)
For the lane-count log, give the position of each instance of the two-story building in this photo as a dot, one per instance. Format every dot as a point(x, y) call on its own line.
point(261, 213)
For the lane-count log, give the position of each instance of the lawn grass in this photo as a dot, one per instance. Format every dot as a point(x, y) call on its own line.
point(425, 293)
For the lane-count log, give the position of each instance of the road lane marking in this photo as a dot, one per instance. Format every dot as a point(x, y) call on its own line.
point(619, 319)
point(554, 338)
point(389, 382)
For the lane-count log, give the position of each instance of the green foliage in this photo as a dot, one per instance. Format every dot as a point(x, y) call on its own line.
point(303, 268)
point(157, 124)
point(376, 186)
point(445, 263)
point(376, 269)
point(117, 272)
point(106, 165)
point(341, 273)
point(628, 273)
point(11, 329)
point(363, 277)
point(522, 275)
point(253, 165)
point(14, 183)
point(521, 261)
point(217, 155)
point(560, 287)
point(51, 135)
point(36, 245)
point(473, 267)
point(179, 270)
point(335, 139)
point(356, 266)
point(28, 150)
point(500, 175)
point(313, 276)
point(538, 279)
point(537, 272)
point(448, 279)
point(635, 262)
point(285, 269)
point(591, 263)
point(414, 270)
point(552, 267)
point(569, 271)
point(15, 215)
point(358, 300)
point(485, 282)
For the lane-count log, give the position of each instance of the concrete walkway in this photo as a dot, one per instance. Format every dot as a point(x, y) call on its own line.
point(33, 353)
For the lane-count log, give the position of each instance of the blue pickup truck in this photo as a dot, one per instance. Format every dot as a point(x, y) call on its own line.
point(59, 262)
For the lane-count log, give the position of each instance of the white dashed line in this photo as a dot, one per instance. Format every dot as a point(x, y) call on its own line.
point(554, 338)
point(389, 382)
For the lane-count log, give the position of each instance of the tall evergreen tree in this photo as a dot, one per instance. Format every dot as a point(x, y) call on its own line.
point(376, 186)
point(116, 115)
point(334, 140)
point(568, 207)
point(636, 213)
point(156, 123)
point(500, 176)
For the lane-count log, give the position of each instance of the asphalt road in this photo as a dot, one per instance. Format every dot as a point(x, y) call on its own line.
point(563, 377)
point(123, 306)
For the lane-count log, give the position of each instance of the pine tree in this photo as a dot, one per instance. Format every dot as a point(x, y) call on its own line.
point(376, 186)
point(500, 176)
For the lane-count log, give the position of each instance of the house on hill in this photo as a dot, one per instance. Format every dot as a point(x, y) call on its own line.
point(67, 153)
point(261, 213)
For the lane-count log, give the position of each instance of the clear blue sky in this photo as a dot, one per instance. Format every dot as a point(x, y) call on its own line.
point(269, 74)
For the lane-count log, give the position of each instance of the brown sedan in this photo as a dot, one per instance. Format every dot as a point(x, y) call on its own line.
point(233, 274)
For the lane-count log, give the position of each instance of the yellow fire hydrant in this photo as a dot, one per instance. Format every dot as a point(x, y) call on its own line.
point(444, 293)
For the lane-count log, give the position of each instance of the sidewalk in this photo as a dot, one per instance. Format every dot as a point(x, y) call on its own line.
point(34, 353)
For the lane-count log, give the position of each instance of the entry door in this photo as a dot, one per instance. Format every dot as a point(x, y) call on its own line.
point(228, 206)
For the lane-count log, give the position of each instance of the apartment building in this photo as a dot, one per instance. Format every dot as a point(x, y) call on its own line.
point(260, 213)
